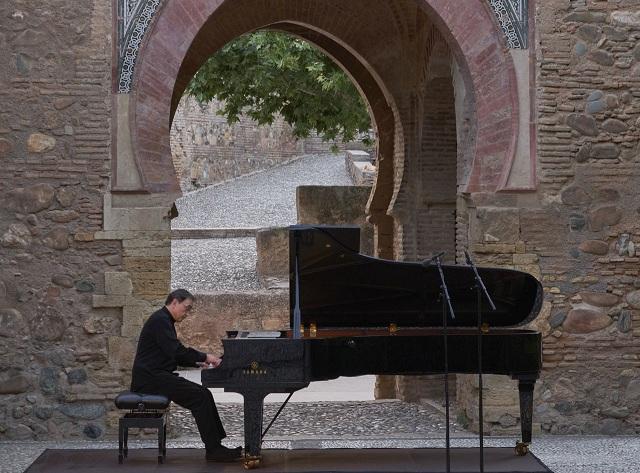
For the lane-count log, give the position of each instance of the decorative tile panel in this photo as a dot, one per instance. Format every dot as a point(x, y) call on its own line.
point(134, 17)
point(514, 20)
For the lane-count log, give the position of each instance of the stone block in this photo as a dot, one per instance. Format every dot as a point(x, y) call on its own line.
point(600, 299)
point(594, 247)
point(13, 382)
point(605, 216)
point(360, 167)
point(98, 324)
point(31, 199)
point(17, 236)
point(40, 143)
point(144, 252)
point(583, 124)
point(272, 264)
point(6, 146)
point(357, 155)
point(495, 225)
point(336, 205)
point(151, 284)
point(584, 320)
point(12, 324)
point(84, 236)
point(626, 18)
point(362, 173)
point(494, 248)
point(121, 352)
point(163, 234)
point(332, 205)
point(129, 219)
point(633, 299)
point(136, 264)
point(525, 259)
point(134, 313)
point(100, 300)
point(57, 239)
point(117, 283)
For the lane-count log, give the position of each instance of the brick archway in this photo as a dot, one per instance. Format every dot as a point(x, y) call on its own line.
point(185, 33)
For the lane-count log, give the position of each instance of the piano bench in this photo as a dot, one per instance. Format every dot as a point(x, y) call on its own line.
point(144, 411)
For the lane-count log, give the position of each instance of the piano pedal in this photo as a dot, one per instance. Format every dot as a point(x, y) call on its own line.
point(251, 463)
point(521, 448)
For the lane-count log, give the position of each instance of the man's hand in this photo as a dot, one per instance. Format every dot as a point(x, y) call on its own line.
point(213, 361)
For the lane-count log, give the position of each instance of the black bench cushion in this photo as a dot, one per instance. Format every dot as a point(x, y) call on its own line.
point(141, 402)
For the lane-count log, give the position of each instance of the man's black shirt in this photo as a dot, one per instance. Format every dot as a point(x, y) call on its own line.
point(159, 350)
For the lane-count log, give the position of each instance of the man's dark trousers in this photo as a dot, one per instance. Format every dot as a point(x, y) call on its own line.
point(189, 395)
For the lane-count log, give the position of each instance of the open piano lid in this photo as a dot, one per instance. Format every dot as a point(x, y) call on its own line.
point(340, 288)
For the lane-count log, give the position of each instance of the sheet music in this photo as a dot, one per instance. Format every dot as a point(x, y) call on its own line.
point(261, 334)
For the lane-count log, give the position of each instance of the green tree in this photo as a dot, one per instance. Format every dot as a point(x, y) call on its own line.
point(265, 73)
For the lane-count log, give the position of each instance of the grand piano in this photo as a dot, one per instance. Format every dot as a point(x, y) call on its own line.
point(355, 315)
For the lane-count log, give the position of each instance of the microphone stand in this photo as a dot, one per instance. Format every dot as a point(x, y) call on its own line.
point(446, 303)
point(480, 289)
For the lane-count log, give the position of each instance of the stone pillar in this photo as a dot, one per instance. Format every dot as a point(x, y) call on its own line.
point(143, 228)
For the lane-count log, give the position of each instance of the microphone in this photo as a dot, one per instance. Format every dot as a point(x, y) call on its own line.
point(430, 261)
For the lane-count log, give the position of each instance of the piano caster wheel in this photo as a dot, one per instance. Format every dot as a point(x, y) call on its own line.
point(251, 463)
point(521, 449)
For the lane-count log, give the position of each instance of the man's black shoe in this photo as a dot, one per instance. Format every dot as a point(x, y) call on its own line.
point(223, 454)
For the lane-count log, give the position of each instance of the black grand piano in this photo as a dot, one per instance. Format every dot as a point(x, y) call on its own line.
point(362, 315)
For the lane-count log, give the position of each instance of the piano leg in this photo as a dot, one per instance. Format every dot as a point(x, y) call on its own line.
point(525, 389)
point(253, 410)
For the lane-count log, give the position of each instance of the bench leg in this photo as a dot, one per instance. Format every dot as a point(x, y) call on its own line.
point(120, 442)
point(125, 434)
point(160, 443)
point(164, 440)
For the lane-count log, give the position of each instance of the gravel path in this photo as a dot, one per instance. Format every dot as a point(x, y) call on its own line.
point(259, 200)
point(365, 419)
point(221, 264)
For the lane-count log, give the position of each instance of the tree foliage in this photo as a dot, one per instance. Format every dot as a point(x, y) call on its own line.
point(265, 73)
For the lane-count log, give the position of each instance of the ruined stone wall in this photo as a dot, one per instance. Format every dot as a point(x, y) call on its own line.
point(586, 233)
point(55, 143)
point(207, 150)
point(579, 233)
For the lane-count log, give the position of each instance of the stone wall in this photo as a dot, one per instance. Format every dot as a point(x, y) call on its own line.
point(583, 238)
point(55, 123)
point(579, 234)
point(207, 150)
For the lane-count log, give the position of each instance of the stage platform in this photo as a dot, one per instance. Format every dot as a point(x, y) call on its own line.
point(394, 460)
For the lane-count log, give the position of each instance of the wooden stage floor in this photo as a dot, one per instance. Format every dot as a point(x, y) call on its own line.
point(422, 460)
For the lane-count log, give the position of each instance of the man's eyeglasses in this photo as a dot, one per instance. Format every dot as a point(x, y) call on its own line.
point(188, 307)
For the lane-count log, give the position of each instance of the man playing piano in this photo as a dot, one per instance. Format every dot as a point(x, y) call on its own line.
point(158, 355)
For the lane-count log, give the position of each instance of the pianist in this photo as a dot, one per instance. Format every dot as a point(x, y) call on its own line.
point(159, 353)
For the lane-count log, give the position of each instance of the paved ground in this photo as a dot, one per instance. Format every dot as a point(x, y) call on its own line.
point(357, 422)
point(560, 453)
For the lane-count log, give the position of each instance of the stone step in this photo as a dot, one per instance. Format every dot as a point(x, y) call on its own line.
point(204, 233)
